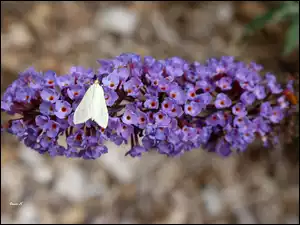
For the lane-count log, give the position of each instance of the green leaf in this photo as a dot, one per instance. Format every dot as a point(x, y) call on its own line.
point(292, 37)
point(260, 21)
point(275, 15)
point(289, 10)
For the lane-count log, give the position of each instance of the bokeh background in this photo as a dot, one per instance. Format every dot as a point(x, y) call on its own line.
point(259, 186)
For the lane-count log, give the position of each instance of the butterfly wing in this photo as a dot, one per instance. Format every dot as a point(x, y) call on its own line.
point(99, 107)
point(83, 111)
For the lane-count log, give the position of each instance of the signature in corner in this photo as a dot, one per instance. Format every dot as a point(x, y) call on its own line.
point(16, 203)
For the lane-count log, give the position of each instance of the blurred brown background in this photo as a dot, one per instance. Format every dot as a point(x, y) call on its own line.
point(260, 186)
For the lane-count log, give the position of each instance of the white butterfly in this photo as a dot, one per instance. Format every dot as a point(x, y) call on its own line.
point(92, 106)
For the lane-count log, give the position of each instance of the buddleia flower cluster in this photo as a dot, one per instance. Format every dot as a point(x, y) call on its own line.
point(170, 106)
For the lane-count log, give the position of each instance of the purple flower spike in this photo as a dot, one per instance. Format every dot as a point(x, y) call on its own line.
point(52, 129)
point(49, 95)
point(162, 119)
point(24, 95)
point(62, 109)
point(75, 92)
point(168, 105)
point(240, 121)
point(41, 121)
point(71, 153)
point(129, 117)
point(259, 92)
point(163, 85)
point(239, 110)
point(110, 96)
point(248, 134)
point(205, 86)
point(265, 109)
point(214, 120)
point(192, 108)
point(204, 98)
point(276, 115)
point(151, 103)
point(142, 120)
point(50, 78)
point(177, 94)
point(18, 128)
point(165, 148)
point(125, 130)
point(111, 81)
point(224, 83)
point(261, 126)
point(274, 87)
point(223, 148)
point(47, 108)
point(65, 81)
point(136, 151)
point(176, 111)
point(283, 103)
point(247, 98)
point(222, 101)
point(191, 93)
point(132, 87)
point(94, 153)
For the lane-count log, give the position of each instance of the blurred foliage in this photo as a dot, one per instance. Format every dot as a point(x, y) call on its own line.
point(286, 11)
